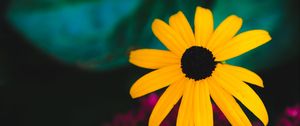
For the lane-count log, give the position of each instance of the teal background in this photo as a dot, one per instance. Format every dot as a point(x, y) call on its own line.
point(65, 62)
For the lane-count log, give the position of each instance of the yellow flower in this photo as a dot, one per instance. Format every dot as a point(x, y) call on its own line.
point(194, 69)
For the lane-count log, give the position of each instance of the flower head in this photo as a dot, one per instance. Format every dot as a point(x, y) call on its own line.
point(194, 70)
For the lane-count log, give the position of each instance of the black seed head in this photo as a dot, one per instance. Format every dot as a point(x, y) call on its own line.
point(198, 63)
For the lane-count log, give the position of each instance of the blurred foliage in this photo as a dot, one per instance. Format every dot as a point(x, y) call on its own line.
point(98, 34)
point(75, 33)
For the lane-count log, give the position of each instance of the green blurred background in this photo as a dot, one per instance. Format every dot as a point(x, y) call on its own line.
point(65, 62)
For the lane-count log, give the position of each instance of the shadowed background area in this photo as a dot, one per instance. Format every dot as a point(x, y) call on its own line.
point(65, 62)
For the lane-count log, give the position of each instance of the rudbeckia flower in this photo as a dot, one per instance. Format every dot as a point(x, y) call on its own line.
point(195, 71)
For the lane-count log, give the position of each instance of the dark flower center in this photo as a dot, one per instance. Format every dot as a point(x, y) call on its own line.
point(198, 63)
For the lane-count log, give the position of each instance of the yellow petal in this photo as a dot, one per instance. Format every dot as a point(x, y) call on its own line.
point(156, 80)
point(225, 31)
point(204, 25)
point(242, 92)
point(243, 74)
point(153, 58)
point(181, 25)
point(170, 38)
point(185, 113)
point(242, 43)
point(166, 102)
point(203, 107)
point(228, 105)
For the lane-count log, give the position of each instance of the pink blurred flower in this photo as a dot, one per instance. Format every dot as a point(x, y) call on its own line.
point(291, 117)
point(140, 115)
point(137, 117)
